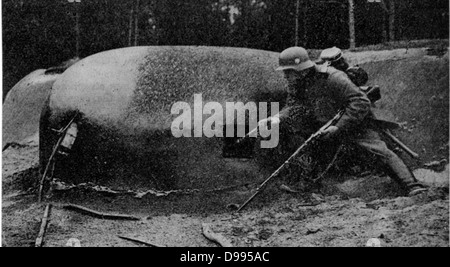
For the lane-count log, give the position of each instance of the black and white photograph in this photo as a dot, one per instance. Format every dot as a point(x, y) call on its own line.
point(249, 124)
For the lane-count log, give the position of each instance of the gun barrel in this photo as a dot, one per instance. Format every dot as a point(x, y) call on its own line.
point(247, 135)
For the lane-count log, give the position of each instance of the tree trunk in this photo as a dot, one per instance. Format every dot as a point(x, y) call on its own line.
point(130, 26)
point(305, 23)
point(384, 35)
point(297, 15)
point(246, 19)
point(385, 26)
point(136, 25)
point(391, 20)
point(351, 23)
point(77, 28)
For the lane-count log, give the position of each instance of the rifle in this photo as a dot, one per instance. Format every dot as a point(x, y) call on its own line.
point(247, 135)
point(310, 140)
point(400, 144)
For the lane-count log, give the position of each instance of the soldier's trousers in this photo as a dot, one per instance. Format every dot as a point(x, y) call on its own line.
point(366, 138)
point(371, 141)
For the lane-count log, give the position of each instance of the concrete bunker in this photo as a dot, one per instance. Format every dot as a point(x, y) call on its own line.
point(121, 101)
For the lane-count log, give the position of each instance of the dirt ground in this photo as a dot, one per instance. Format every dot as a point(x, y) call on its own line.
point(275, 219)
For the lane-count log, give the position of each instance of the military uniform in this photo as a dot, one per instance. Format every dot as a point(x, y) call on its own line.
point(318, 98)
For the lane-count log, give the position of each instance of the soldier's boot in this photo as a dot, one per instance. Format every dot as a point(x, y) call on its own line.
point(395, 167)
point(397, 170)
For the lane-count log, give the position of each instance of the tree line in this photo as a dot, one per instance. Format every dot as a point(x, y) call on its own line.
point(43, 33)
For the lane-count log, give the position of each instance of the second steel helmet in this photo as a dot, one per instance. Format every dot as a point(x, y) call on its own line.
point(295, 58)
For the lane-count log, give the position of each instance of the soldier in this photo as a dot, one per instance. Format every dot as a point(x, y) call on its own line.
point(319, 96)
point(333, 57)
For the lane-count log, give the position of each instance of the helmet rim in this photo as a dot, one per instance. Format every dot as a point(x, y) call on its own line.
point(300, 67)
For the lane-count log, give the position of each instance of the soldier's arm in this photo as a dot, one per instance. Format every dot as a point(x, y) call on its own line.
point(355, 102)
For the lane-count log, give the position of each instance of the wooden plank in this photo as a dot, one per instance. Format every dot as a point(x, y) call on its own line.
point(139, 242)
point(100, 215)
point(45, 219)
point(215, 237)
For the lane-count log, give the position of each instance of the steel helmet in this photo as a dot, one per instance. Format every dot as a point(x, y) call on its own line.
point(295, 58)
